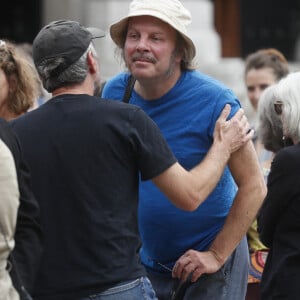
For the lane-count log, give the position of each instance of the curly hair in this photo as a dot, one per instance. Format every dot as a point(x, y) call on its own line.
point(18, 68)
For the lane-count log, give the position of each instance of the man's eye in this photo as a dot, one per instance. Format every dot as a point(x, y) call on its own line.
point(155, 38)
point(133, 36)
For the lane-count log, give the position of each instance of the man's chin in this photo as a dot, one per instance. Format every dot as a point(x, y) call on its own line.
point(141, 73)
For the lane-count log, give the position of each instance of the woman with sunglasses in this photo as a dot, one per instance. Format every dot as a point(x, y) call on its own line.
point(279, 218)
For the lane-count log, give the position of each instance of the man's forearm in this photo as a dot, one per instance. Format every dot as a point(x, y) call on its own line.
point(251, 192)
point(239, 219)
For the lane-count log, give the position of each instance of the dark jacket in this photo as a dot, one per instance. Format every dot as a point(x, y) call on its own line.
point(28, 236)
point(279, 227)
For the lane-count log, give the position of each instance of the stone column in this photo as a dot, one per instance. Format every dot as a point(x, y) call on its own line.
point(202, 31)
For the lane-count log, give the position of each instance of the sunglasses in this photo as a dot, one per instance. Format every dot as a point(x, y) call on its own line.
point(278, 106)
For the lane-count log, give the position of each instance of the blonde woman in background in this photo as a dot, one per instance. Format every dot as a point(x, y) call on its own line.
point(18, 94)
point(9, 203)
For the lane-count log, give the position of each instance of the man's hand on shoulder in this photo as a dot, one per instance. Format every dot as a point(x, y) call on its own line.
point(234, 133)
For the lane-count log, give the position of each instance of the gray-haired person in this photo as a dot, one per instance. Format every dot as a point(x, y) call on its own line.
point(278, 219)
point(85, 156)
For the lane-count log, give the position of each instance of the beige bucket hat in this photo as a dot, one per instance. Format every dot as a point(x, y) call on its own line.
point(170, 11)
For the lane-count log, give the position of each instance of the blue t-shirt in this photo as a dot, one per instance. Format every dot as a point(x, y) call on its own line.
point(186, 115)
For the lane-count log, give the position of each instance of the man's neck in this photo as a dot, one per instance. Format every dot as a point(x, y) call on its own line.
point(86, 87)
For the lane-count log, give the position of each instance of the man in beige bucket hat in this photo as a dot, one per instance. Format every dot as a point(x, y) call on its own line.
point(199, 255)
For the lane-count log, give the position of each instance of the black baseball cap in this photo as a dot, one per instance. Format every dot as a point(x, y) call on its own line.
point(63, 38)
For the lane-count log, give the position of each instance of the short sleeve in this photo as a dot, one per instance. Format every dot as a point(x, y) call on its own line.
point(154, 154)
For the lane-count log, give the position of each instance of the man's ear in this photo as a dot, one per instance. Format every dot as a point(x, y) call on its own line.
point(92, 63)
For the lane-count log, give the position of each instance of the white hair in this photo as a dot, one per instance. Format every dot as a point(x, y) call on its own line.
point(269, 123)
point(288, 91)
